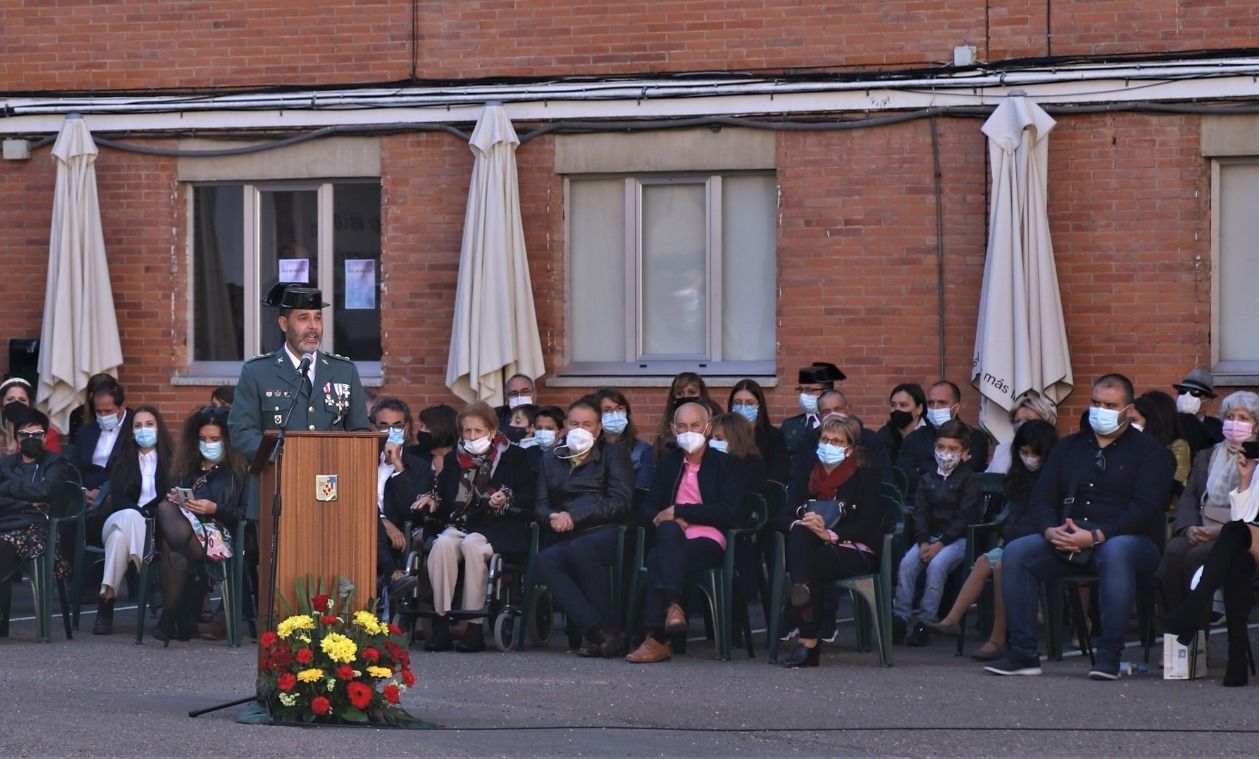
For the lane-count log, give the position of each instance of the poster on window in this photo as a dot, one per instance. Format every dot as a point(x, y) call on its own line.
point(295, 270)
point(360, 284)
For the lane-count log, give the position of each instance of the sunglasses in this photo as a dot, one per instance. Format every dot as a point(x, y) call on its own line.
point(35, 435)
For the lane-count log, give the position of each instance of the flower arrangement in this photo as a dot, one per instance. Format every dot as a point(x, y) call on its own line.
point(327, 662)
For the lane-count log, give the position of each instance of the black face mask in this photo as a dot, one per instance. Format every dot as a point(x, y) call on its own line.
point(900, 419)
point(515, 434)
point(31, 448)
point(424, 442)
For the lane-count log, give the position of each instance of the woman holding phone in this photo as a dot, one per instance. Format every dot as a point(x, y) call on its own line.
point(817, 552)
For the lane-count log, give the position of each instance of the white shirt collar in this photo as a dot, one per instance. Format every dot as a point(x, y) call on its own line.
point(297, 361)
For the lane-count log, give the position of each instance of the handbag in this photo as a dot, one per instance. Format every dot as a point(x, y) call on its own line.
point(215, 541)
point(831, 511)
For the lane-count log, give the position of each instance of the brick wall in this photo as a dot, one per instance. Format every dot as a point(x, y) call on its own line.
point(141, 44)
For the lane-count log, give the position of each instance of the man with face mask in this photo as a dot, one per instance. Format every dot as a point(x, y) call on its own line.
point(1103, 490)
point(917, 454)
point(95, 442)
point(814, 380)
point(1194, 395)
point(519, 391)
point(402, 473)
point(697, 493)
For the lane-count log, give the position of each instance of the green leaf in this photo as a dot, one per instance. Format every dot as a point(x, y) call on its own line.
point(350, 714)
point(303, 596)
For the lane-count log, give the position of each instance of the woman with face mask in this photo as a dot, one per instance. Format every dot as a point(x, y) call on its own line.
point(1033, 442)
point(138, 480)
point(686, 387)
point(485, 496)
point(818, 553)
point(207, 465)
point(747, 399)
point(617, 420)
point(1029, 408)
point(1204, 507)
point(733, 436)
point(18, 390)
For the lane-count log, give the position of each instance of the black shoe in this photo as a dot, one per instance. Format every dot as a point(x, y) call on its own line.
point(473, 640)
point(439, 636)
point(900, 626)
point(165, 627)
point(104, 624)
point(613, 646)
point(918, 637)
point(1015, 665)
point(803, 656)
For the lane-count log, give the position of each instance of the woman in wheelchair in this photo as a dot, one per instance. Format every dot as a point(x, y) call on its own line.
point(485, 498)
point(838, 536)
point(585, 489)
point(188, 527)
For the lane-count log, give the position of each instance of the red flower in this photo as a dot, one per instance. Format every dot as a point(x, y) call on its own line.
point(391, 693)
point(286, 682)
point(408, 678)
point(328, 619)
point(320, 602)
point(360, 695)
point(371, 655)
point(345, 672)
point(394, 629)
point(268, 639)
point(305, 656)
point(320, 706)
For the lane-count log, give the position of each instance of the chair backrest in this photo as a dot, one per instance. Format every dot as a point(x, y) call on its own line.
point(756, 509)
point(885, 556)
point(902, 481)
point(68, 502)
point(775, 498)
point(992, 494)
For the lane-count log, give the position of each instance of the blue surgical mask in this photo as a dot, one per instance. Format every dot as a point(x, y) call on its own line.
point(397, 436)
point(614, 421)
point(720, 445)
point(808, 403)
point(1104, 421)
point(748, 412)
point(107, 421)
point(831, 455)
point(939, 416)
point(544, 438)
point(146, 437)
point(211, 451)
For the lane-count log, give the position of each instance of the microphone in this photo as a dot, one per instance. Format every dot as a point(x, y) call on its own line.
point(304, 367)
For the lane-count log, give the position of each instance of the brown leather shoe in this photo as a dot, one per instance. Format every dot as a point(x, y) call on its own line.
point(649, 652)
point(675, 620)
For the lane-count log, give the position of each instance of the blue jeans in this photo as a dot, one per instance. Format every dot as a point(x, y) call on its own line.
point(937, 575)
point(1116, 563)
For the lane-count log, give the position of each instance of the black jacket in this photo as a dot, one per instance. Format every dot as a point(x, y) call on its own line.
point(597, 492)
point(863, 522)
point(773, 448)
point(220, 487)
point(944, 506)
point(508, 530)
point(722, 487)
point(877, 458)
point(402, 489)
point(122, 498)
point(23, 485)
point(917, 454)
point(85, 445)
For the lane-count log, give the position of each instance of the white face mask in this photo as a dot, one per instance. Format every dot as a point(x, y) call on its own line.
point(808, 403)
point(479, 446)
point(691, 441)
point(938, 416)
point(544, 438)
point(579, 441)
point(521, 400)
point(947, 461)
point(1188, 404)
point(1104, 421)
point(1032, 463)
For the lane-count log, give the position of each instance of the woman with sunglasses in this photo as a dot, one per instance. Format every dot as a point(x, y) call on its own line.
point(208, 466)
point(18, 390)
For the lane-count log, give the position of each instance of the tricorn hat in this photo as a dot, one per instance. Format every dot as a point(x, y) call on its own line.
point(821, 372)
point(288, 295)
point(1198, 380)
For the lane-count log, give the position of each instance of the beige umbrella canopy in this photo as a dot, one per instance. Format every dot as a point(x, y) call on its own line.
point(495, 330)
point(1021, 339)
point(80, 331)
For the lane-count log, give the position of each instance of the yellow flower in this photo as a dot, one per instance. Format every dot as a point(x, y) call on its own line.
point(310, 675)
point(377, 672)
point(368, 621)
point(294, 623)
point(338, 648)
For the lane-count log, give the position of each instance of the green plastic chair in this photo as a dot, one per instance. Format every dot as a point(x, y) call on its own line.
point(902, 481)
point(41, 570)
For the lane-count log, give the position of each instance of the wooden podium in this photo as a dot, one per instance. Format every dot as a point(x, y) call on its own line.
point(324, 530)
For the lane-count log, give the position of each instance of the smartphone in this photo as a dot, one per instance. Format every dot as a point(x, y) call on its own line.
point(1251, 449)
point(183, 494)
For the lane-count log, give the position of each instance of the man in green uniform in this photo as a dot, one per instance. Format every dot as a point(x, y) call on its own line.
point(815, 379)
point(330, 397)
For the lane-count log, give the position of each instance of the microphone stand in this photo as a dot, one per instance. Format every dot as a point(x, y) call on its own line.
point(277, 458)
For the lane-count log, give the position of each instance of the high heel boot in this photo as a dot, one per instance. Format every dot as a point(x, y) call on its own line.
point(1237, 600)
point(1231, 547)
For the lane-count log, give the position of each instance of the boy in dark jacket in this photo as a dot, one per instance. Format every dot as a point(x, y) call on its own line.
point(946, 501)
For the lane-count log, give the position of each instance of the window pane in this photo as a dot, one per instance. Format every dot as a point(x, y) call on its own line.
point(218, 276)
point(288, 235)
point(596, 283)
point(674, 290)
point(356, 271)
point(749, 274)
point(1239, 266)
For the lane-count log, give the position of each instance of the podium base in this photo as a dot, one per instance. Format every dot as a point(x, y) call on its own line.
point(256, 714)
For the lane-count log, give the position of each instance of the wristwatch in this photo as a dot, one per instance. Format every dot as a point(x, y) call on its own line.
point(1096, 538)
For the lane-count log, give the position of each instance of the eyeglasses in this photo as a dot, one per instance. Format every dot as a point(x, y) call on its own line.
point(810, 390)
point(526, 393)
point(386, 427)
point(34, 435)
point(1099, 461)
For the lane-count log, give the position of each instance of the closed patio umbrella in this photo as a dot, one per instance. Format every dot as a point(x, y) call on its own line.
point(79, 337)
point(495, 329)
point(1021, 339)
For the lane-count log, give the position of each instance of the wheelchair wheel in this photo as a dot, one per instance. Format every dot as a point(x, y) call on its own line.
point(504, 630)
point(541, 617)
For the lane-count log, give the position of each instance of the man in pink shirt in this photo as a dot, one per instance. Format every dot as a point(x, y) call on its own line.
point(696, 495)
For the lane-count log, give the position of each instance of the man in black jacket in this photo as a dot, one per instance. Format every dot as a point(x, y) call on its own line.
point(697, 493)
point(585, 489)
point(1103, 490)
point(917, 453)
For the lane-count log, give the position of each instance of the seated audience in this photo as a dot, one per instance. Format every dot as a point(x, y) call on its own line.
point(520, 426)
point(917, 454)
point(18, 390)
point(584, 491)
point(223, 396)
point(747, 399)
point(402, 474)
point(437, 434)
point(1029, 408)
point(1033, 441)
point(686, 387)
point(87, 412)
point(945, 502)
point(96, 443)
point(814, 380)
point(732, 435)
point(1103, 491)
point(1154, 413)
point(1194, 395)
point(519, 391)
point(617, 420)
point(908, 405)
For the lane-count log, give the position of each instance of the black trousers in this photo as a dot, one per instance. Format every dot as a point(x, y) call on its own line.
point(814, 562)
point(576, 572)
point(667, 564)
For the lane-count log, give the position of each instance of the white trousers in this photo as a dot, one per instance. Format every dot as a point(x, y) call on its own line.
point(450, 548)
point(123, 536)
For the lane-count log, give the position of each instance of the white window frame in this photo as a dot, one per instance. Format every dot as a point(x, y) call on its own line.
point(225, 372)
point(1233, 372)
